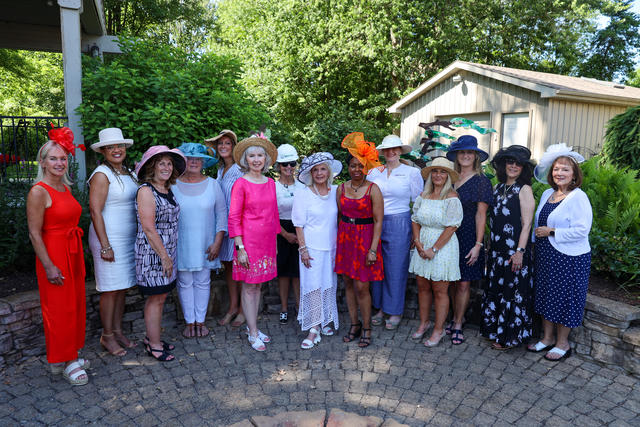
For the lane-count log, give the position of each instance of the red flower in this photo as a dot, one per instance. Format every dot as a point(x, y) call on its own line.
point(64, 137)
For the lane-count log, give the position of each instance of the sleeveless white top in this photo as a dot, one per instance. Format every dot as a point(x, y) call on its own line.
point(119, 214)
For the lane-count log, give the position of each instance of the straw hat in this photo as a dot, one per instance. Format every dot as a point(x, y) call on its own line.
point(179, 161)
point(254, 141)
point(110, 136)
point(212, 143)
point(440, 163)
point(393, 141)
point(304, 176)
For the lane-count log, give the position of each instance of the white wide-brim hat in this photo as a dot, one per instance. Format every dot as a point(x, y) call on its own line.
point(315, 159)
point(110, 136)
point(393, 141)
point(553, 152)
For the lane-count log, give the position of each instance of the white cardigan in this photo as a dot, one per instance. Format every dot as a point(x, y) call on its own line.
point(572, 222)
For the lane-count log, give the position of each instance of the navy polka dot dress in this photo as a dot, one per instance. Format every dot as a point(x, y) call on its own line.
point(561, 280)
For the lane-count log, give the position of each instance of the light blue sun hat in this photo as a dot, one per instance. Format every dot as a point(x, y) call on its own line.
point(194, 149)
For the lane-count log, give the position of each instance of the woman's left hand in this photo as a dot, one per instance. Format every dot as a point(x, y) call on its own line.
point(473, 254)
point(243, 258)
point(371, 258)
point(543, 231)
point(516, 261)
point(213, 251)
point(291, 238)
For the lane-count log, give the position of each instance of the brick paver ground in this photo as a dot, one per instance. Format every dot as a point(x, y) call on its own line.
point(221, 380)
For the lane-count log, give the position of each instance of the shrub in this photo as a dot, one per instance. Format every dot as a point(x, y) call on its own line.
point(622, 139)
point(162, 95)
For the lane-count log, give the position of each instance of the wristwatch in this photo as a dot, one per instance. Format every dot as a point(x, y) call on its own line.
point(434, 249)
point(520, 250)
point(552, 233)
point(238, 247)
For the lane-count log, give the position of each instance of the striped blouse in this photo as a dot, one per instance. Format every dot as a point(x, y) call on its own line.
point(226, 182)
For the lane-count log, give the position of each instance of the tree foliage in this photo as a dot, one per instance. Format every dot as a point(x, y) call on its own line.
point(304, 59)
point(31, 83)
point(163, 95)
point(622, 139)
point(184, 23)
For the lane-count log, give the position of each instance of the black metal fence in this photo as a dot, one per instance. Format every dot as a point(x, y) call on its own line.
point(20, 139)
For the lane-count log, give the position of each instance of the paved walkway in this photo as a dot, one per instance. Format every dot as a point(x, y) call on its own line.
point(221, 381)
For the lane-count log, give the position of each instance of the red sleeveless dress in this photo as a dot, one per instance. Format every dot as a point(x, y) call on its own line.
point(354, 240)
point(63, 307)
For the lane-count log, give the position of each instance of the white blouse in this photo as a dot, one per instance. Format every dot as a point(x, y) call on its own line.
point(285, 197)
point(399, 188)
point(318, 216)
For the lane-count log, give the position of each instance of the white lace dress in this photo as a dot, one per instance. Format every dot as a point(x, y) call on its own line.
point(318, 216)
point(434, 216)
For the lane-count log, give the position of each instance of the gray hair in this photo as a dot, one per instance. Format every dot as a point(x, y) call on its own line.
point(329, 180)
point(446, 188)
point(244, 165)
point(43, 152)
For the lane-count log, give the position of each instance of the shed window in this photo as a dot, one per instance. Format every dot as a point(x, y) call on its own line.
point(515, 129)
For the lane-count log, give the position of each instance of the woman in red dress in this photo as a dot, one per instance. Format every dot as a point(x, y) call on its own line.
point(53, 215)
point(360, 210)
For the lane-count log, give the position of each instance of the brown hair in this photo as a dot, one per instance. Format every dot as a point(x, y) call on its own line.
point(148, 170)
point(477, 164)
point(577, 173)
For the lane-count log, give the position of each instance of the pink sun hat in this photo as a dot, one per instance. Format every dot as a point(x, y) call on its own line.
point(179, 160)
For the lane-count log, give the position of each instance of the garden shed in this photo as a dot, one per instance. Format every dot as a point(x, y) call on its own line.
point(529, 108)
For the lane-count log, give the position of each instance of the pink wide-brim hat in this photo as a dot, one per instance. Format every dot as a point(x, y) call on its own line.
point(179, 160)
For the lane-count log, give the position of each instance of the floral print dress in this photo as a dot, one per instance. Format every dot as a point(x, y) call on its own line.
point(507, 303)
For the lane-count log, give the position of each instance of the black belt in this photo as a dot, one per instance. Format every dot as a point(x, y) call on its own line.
point(357, 220)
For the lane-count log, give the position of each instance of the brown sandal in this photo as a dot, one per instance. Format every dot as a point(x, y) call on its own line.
point(189, 330)
point(201, 330)
point(119, 351)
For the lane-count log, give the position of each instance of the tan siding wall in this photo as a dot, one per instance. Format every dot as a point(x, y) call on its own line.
point(550, 121)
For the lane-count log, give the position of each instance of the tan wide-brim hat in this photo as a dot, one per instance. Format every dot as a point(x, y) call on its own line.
point(213, 142)
point(254, 141)
point(110, 136)
point(440, 163)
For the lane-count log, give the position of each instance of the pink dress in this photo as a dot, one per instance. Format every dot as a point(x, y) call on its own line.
point(253, 214)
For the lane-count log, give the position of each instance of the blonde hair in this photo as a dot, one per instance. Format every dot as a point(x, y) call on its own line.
point(44, 152)
point(446, 188)
point(477, 164)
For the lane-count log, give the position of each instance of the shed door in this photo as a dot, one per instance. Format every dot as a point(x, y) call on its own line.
point(481, 119)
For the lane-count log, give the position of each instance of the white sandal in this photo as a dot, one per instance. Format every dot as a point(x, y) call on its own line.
point(58, 368)
point(263, 337)
point(328, 331)
point(73, 377)
point(307, 343)
point(257, 343)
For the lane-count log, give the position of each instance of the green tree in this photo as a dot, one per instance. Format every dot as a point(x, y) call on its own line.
point(634, 79)
point(613, 48)
point(622, 139)
point(184, 23)
point(163, 95)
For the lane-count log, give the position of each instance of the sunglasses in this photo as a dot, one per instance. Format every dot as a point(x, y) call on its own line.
point(292, 164)
point(114, 146)
point(512, 162)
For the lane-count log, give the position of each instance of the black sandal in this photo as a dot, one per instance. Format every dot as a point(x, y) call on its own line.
point(164, 354)
point(456, 336)
point(165, 345)
point(364, 340)
point(353, 334)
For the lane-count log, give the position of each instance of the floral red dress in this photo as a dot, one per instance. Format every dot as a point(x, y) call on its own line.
point(354, 240)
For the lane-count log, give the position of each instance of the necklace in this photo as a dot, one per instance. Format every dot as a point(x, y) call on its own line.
point(506, 189)
point(355, 189)
point(556, 198)
point(325, 197)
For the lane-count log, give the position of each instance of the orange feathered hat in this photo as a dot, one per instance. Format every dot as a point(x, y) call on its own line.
point(362, 150)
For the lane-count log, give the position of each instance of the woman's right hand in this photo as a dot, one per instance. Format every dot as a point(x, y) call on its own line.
point(167, 266)
point(243, 258)
point(421, 251)
point(305, 258)
point(54, 275)
point(291, 238)
point(108, 255)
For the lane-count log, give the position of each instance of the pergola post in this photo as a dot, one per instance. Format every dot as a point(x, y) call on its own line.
point(72, 62)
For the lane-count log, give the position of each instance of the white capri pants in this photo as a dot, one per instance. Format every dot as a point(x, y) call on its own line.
point(193, 290)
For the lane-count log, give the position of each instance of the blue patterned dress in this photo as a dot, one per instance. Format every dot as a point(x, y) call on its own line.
point(476, 189)
point(561, 280)
point(149, 275)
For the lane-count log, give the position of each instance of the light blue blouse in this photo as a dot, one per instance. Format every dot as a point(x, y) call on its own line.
point(203, 213)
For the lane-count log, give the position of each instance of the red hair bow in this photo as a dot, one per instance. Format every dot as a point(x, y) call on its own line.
point(362, 150)
point(64, 138)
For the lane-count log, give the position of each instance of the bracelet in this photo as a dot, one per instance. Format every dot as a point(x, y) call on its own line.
point(105, 250)
point(373, 252)
point(479, 244)
point(302, 248)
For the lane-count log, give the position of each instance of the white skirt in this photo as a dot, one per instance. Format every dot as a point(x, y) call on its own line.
point(318, 286)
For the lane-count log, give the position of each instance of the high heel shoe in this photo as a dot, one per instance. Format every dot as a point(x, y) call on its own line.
point(165, 356)
point(429, 343)
point(418, 335)
point(354, 332)
point(307, 343)
point(365, 340)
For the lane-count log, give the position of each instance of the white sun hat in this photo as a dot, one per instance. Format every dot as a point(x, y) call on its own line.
point(553, 152)
point(287, 153)
point(393, 141)
point(110, 136)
